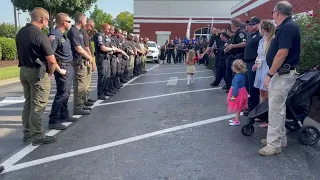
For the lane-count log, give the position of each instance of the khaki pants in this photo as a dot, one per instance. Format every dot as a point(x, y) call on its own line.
point(79, 86)
point(36, 92)
point(278, 89)
point(88, 81)
point(143, 63)
point(131, 65)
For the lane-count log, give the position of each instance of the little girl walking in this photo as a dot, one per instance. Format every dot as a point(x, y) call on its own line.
point(191, 68)
point(238, 95)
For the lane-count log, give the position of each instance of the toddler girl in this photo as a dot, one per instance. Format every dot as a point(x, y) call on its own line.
point(191, 69)
point(238, 95)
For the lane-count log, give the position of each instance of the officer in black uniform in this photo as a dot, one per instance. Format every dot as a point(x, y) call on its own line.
point(220, 57)
point(37, 62)
point(170, 47)
point(62, 47)
point(236, 50)
point(250, 55)
point(126, 60)
point(104, 51)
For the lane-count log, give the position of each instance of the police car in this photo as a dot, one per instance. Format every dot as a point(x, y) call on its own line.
point(154, 52)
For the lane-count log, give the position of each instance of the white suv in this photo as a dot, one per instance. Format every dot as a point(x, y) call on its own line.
point(154, 52)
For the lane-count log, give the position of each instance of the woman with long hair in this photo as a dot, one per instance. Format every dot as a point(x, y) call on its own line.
point(267, 30)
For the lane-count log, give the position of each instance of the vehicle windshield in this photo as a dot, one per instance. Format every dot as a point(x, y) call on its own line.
point(151, 44)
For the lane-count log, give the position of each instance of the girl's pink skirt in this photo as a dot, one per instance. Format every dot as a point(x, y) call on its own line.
point(241, 101)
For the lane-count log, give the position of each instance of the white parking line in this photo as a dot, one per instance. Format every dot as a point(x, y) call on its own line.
point(162, 95)
point(172, 73)
point(112, 144)
point(157, 69)
point(25, 151)
point(153, 82)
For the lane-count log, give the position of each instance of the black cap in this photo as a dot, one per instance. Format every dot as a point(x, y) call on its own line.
point(253, 21)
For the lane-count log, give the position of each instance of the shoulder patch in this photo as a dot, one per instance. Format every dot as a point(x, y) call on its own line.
point(52, 37)
point(99, 38)
point(241, 35)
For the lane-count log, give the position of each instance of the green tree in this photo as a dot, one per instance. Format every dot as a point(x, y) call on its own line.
point(100, 17)
point(7, 30)
point(124, 21)
point(71, 7)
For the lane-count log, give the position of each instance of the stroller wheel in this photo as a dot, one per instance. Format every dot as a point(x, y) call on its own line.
point(247, 130)
point(292, 126)
point(309, 135)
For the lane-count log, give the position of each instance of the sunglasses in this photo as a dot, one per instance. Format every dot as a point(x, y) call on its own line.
point(67, 21)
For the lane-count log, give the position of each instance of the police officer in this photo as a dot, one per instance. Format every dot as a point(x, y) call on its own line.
point(121, 54)
point(62, 48)
point(81, 60)
point(250, 55)
point(131, 57)
point(171, 47)
point(137, 62)
point(104, 52)
point(236, 49)
point(220, 57)
point(179, 57)
point(144, 60)
point(36, 58)
point(126, 59)
point(91, 66)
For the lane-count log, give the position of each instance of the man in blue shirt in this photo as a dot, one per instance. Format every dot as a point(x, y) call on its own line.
point(62, 48)
point(282, 58)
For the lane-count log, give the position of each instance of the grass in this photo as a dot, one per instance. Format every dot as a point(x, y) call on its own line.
point(9, 72)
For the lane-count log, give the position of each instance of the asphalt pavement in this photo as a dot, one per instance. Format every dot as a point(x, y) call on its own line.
point(155, 127)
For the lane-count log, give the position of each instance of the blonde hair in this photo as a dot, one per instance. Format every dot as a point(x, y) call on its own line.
point(269, 27)
point(191, 56)
point(239, 66)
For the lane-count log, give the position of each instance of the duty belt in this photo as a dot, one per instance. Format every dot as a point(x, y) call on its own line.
point(64, 63)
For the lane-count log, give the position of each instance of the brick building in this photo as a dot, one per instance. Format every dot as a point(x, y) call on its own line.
point(166, 19)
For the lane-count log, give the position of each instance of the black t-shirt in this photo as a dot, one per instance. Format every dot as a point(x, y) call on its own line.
point(238, 38)
point(76, 39)
point(32, 44)
point(287, 37)
point(171, 46)
point(250, 51)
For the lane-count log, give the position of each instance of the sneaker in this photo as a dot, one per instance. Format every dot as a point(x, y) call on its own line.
point(57, 126)
point(102, 98)
point(283, 143)
point(234, 123)
point(1, 169)
point(269, 151)
point(45, 140)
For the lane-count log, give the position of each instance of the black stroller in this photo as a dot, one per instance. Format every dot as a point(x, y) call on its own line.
point(298, 107)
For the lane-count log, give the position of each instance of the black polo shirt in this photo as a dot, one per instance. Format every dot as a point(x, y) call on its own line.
point(32, 44)
point(171, 46)
point(76, 39)
point(86, 38)
point(252, 44)
point(61, 46)
point(287, 37)
point(238, 38)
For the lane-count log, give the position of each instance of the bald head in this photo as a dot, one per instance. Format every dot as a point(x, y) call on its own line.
point(284, 8)
point(38, 14)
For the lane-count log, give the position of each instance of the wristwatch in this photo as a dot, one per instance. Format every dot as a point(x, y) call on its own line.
point(270, 75)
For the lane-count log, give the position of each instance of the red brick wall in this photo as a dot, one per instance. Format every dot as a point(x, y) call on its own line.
point(177, 30)
point(265, 11)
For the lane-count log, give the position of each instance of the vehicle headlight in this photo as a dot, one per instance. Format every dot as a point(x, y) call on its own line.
point(152, 51)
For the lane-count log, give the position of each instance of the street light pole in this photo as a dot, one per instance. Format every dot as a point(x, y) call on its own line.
point(15, 18)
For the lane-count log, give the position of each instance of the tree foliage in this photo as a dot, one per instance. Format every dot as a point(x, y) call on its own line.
point(310, 41)
point(100, 17)
point(7, 30)
point(71, 7)
point(124, 21)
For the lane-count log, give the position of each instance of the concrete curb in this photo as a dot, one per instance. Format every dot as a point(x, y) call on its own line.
point(9, 81)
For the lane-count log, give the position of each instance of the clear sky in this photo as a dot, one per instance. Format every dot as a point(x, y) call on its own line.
point(113, 7)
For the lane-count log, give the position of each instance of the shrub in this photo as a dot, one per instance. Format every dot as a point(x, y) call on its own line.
point(7, 30)
point(310, 41)
point(0, 52)
point(9, 50)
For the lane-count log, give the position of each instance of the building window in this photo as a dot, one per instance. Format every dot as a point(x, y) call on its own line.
point(198, 31)
point(201, 31)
